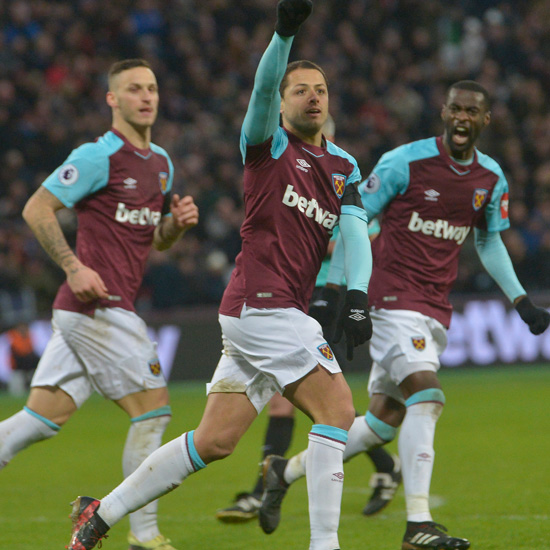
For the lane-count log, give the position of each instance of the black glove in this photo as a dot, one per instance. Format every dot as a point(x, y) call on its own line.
point(291, 14)
point(537, 318)
point(355, 321)
point(325, 309)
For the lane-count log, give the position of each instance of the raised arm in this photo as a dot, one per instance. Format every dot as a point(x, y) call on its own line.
point(262, 117)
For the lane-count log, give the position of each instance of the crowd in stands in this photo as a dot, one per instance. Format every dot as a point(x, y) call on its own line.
point(388, 62)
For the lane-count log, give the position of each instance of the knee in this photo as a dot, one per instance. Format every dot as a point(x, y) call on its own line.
point(343, 417)
point(348, 417)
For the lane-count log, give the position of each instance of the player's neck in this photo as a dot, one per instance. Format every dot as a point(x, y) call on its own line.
point(316, 139)
point(138, 137)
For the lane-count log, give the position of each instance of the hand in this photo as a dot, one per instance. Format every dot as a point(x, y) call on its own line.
point(354, 320)
point(185, 213)
point(291, 14)
point(86, 284)
point(325, 309)
point(537, 318)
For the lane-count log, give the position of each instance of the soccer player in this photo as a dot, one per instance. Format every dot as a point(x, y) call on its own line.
point(431, 193)
point(278, 435)
point(297, 187)
point(120, 187)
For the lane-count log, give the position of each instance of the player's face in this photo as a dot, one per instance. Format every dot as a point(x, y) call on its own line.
point(464, 116)
point(304, 105)
point(134, 97)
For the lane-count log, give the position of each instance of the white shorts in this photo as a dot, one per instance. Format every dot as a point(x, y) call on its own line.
point(403, 342)
point(110, 353)
point(264, 350)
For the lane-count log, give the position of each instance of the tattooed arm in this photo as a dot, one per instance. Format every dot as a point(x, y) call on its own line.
point(40, 215)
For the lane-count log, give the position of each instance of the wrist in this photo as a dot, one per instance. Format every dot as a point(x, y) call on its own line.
point(71, 265)
point(523, 304)
point(357, 297)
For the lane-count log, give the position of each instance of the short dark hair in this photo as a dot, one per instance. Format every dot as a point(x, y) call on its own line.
point(472, 86)
point(125, 65)
point(302, 64)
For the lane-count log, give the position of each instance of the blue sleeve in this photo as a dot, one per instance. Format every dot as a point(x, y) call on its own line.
point(389, 178)
point(355, 175)
point(335, 273)
point(85, 171)
point(357, 251)
point(496, 212)
point(170, 181)
point(79, 176)
point(262, 117)
point(497, 262)
point(391, 175)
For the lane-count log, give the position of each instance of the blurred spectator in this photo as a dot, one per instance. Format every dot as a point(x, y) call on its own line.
point(23, 359)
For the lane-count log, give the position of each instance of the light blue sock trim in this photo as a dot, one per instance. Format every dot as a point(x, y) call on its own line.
point(166, 410)
point(197, 460)
point(431, 394)
point(331, 432)
point(48, 423)
point(380, 428)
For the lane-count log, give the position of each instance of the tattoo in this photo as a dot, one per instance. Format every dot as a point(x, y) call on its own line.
point(47, 230)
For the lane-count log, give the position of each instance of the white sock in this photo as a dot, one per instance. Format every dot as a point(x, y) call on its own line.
point(325, 480)
point(144, 437)
point(361, 438)
point(417, 457)
point(161, 472)
point(295, 467)
point(20, 431)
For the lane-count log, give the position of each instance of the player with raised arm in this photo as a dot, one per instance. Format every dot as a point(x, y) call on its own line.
point(297, 187)
point(120, 187)
point(431, 193)
point(278, 435)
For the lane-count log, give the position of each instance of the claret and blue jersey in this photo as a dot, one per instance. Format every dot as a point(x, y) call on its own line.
point(293, 200)
point(428, 203)
point(293, 194)
point(119, 193)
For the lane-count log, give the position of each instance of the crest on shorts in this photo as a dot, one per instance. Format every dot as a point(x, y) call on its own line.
point(154, 367)
point(163, 181)
point(339, 184)
point(419, 343)
point(480, 195)
point(326, 351)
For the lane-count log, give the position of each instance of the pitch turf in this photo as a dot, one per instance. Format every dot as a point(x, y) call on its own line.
point(490, 482)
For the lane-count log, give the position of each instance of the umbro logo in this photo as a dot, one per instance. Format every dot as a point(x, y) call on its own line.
point(357, 314)
point(338, 476)
point(302, 165)
point(130, 183)
point(431, 195)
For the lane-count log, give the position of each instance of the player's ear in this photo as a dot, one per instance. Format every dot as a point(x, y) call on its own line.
point(111, 99)
point(487, 119)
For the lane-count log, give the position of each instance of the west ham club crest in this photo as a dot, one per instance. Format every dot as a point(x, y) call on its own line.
point(339, 184)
